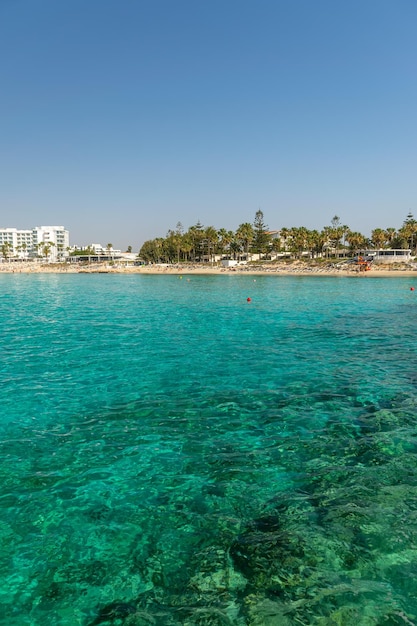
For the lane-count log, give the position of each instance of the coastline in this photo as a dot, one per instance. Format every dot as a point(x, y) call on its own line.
point(294, 269)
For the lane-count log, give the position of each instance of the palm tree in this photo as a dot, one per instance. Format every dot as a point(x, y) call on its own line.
point(44, 248)
point(245, 235)
point(6, 248)
point(159, 248)
point(186, 246)
point(317, 241)
point(211, 239)
point(173, 245)
point(390, 235)
point(328, 235)
point(337, 231)
point(276, 245)
point(235, 248)
point(299, 240)
point(284, 233)
point(408, 231)
point(196, 236)
point(225, 239)
point(176, 239)
point(378, 237)
point(199, 241)
point(356, 240)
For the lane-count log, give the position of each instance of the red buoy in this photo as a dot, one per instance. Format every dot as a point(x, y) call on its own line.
point(248, 300)
point(411, 288)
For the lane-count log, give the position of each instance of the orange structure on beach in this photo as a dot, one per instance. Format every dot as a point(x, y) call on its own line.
point(363, 265)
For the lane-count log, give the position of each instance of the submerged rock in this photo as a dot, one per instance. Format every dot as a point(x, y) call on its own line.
point(265, 550)
point(115, 610)
point(267, 524)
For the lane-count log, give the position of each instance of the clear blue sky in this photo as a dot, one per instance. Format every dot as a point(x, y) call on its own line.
point(120, 118)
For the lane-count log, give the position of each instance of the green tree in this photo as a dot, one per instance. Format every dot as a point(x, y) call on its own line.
point(390, 236)
point(6, 248)
point(174, 243)
point(407, 234)
point(211, 241)
point(276, 245)
point(284, 234)
point(356, 241)
point(186, 246)
point(44, 248)
point(235, 248)
point(337, 232)
point(245, 235)
point(172, 246)
point(261, 237)
point(149, 251)
point(299, 241)
point(378, 237)
point(179, 239)
point(318, 240)
point(225, 239)
point(196, 236)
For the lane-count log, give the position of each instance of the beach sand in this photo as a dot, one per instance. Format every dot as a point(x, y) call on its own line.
point(280, 269)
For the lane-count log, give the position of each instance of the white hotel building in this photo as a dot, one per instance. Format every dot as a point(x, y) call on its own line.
point(27, 244)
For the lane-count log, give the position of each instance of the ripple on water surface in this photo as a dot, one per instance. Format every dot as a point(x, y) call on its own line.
point(172, 454)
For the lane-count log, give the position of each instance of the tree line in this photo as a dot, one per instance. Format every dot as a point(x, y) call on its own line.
point(201, 243)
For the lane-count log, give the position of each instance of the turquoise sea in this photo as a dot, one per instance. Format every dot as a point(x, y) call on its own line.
point(173, 454)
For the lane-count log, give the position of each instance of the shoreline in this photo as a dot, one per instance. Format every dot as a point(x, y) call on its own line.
point(294, 269)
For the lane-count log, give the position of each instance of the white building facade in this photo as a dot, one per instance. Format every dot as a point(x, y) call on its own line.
point(51, 242)
point(48, 242)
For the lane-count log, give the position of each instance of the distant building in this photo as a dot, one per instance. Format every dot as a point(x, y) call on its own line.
point(96, 249)
point(96, 253)
point(274, 234)
point(49, 242)
point(387, 255)
point(19, 242)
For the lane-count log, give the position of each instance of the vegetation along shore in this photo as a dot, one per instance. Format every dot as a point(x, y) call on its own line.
point(257, 241)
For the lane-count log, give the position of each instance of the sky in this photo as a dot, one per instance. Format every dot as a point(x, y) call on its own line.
point(121, 118)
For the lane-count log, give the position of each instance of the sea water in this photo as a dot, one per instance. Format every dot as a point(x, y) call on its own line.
point(173, 453)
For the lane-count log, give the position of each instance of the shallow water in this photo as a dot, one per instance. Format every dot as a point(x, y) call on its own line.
point(173, 454)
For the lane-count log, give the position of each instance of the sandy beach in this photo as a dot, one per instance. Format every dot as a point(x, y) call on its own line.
point(278, 269)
